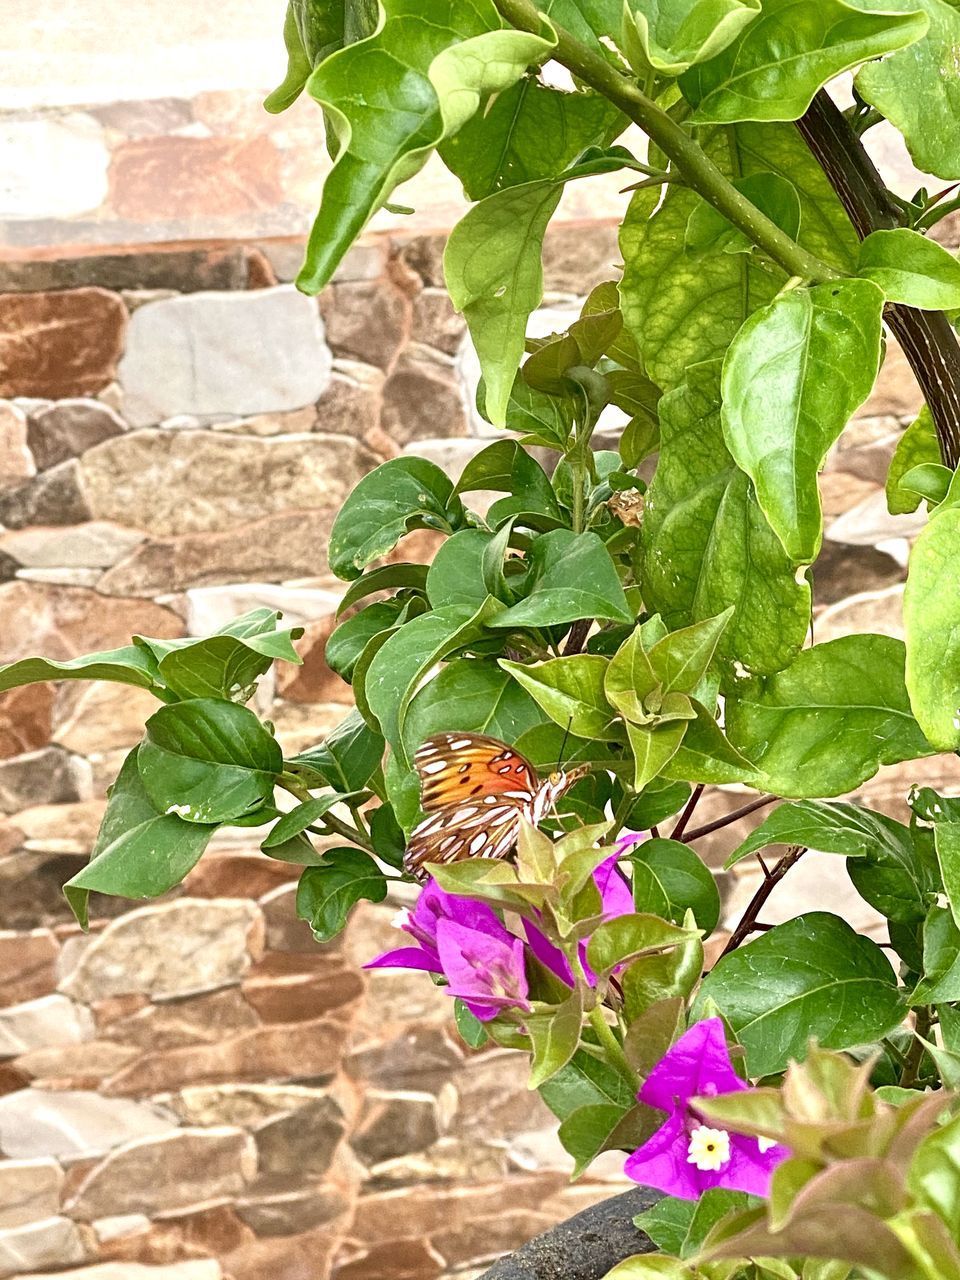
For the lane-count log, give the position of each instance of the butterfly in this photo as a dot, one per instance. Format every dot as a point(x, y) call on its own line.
point(476, 791)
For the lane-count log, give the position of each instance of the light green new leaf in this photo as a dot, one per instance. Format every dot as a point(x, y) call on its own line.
point(832, 983)
point(929, 480)
point(298, 819)
point(680, 660)
point(947, 842)
point(392, 98)
point(326, 893)
point(931, 616)
point(918, 89)
point(828, 722)
point(706, 543)
point(573, 577)
point(139, 853)
point(207, 760)
point(918, 445)
point(653, 747)
point(630, 679)
point(911, 269)
point(570, 691)
point(399, 495)
point(228, 664)
point(411, 576)
point(650, 1267)
point(675, 34)
point(793, 377)
point(777, 64)
point(706, 755)
point(299, 65)
point(934, 1174)
point(626, 937)
point(129, 665)
point(554, 1036)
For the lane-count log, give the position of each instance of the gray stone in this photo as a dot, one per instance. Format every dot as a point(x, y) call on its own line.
point(55, 497)
point(48, 1022)
point(869, 523)
point(52, 168)
point(178, 482)
point(68, 427)
point(238, 1104)
point(300, 1145)
point(182, 270)
point(366, 320)
point(206, 1269)
point(167, 1173)
point(840, 566)
point(147, 119)
point(72, 1123)
point(394, 1124)
point(351, 403)
point(436, 322)
point(295, 422)
point(423, 398)
point(52, 1242)
point(95, 545)
point(880, 612)
point(242, 353)
point(16, 462)
point(171, 949)
point(209, 608)
point(48, 776)
point(29, 1190)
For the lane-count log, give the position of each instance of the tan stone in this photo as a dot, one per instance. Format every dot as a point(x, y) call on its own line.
point(285, 932)
point(16, 461)
point(301, 997)
point(420, 1057)
point(25, 719)
point(178, 177)
point(293, 422)
point(247, 1105)
point(50, 1021)
point(880, 612)
point(293, 1213)
point(839, 491)
point(494, 1099)
point(577, 257)
point(48, 776)
point(235, 875)
point(29, 1191)
point(841, 567)
point(62, 828)
point(204, 481)
point(93, 718)
point(305, 1256)
point(27, 964)
point(204, 1019)
point(213, 1229)
point(200, 1270)
point(435, 321)
point(488, 1238)
point(82, 1066)
point(161, 1175)
point(449, 1160)
point(95, 545)
point(423, 398)
point(351, 403)
point(51, 1242)
point(300, 1145)
point(366, 320)
point(59, 344)
point(401, 1260)
point(72, 1124)
point(68, 427)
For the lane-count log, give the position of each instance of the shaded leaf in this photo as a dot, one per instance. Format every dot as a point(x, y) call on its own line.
point(571, 576)
point(669, 879)
point(327, 893)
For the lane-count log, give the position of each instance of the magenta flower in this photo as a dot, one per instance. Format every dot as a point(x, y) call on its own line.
point(465, 941)
point(687, 1156)
point(628, 840)
point(616, 900)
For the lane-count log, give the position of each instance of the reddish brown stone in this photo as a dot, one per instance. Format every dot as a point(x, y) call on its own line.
point(12, 1079)
point(297, 1257)
point(76, 1066)
point(303, 997)
point(27, 965)
point(106, 1012)
point(400, 1260)
point(423, 398)
point(366, 320)
point(237, 875)
point(59, 344)
point(208, 1233)
point(177, 177)
point(488, 1238)
point(260, 273)
point(25, 719)
point(314, 681)
point(202, 1020)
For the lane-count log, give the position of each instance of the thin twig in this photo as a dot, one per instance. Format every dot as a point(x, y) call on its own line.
point(718, 823)
point(748, 922)
point(577, 636)
point(687, 814)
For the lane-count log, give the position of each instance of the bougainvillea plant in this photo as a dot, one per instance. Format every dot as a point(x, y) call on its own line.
point(641, 614)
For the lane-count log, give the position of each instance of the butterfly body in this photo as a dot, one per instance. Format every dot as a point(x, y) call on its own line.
point(476, 792)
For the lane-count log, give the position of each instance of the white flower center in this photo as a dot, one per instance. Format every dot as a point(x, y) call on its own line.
point(709, 1149)
point(766, 1144)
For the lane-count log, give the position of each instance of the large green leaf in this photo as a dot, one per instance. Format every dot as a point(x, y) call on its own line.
point(585, 1081)
point(828, 826)
point(296, 820)
point(772, 194)
point(572, 577)
point(931, 616)
point(918, 89)
point(392, 98)
point(472, 694)
point(570, 691)
point(911, 269)
point(326, 893)
point(312, 30)
point(348, 756)
point(675, 34)
point(412, 576)
point(129, 665)
point(793, 377)
point(228, 664)
point(830, 720)
point(941, 959)
point(207, 760)
point(669, 879)
point(653, 747)
point(917, 446)
point(554, 1037)
point(505, 467)
point(831, 983)
point(400, 495)
point(139, 853)
point(777, 64)
point(706, 543)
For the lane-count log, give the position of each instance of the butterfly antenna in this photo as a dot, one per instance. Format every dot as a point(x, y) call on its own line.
point(566, 735)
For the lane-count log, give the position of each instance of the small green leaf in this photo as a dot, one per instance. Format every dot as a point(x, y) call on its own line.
point(600, 1126)
point(657, 801)
point(917, 445)
point(630, 679)
point(772, 194)
point(911, 269)
point(675, 34)
point(931, 617)
point(832, 983)
point(680, 660)
point(411, 576)
point(627, 937)
point(347, 758)
point(572, 577)
point(778, 62)
point(707, 755)
point(129, 665)
point(793, 377)
point(586, 1081)
point(668, 1222)
point(456, 574)
point(669, 879)
point(399, 495)
point(348, 641)
point(653, 747)
point(934, 1174)
point(505, 467)
point(651, 1268)
point(327, 893)
point(554, 1036)
point(298, 819)
point(929, 480)
point(207, 760)
point(941, 960)
point(570, 691)
point(474, 695)
point(472, 1031)
point(299, 65)
point(946, 837)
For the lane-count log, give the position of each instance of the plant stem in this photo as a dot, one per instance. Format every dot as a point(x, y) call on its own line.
point(770, 880)
point(609, 1041)
point(678, 830)
point(730, 818)
point(334, 825)
point(692, 162)
point(911, 1069)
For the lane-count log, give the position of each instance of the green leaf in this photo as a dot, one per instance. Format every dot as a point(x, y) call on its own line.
point(456, 574)
point(494, 276)
point(474, 695)
point(793, 377)
point(573, 577)
point(653, 979)
point(630, 679)
point(669, 879)
point(831, 983)
point(399, 495)
point(830, 720)
point(348, 757)
point(505, 467)
point(930, 480)
point(207, 760)
point(653, 747)
point(392, 98)
point(348, 641)
point(554, 1037)
point(680, 660)
point(299, 818)
point(911, 269)
point(658, 800)
point(827, 826)
point(624, 938)
point(934, 1174)
point(707, 755)
point(941, 959)
point(918, 90)
point(411, 576)
point(139, 853)
point(326, 893)
point(772, 194)
point(586, 1081)
point(299, 65)
point(917, 446)
point(472, 1030)
point(651, 1268)
point(129, 665)
point(706, 543)
point(401, 663)
point(668, 1222)
point(778, 62)
point(570, 691)
point(946, 837)
point(598, 1127)
point(225, 666)
point(931, 618)
point(675, 34)
point(898, 878)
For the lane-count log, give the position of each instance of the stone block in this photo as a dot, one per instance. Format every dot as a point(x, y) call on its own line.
point(300, 1145)
point(53, 168)
point(314, 681)
point(206, 1269)
point(59, 344)
point(42, 1023)
point(214, 353)
point(869, 523)
point(351, 403)
point(26, 719)
point(94, 545)
point(48, 776)
point(62, 577)
point(203, 1019)
point(576, 258)
point(27, 964)
point(247, 1105)
point(367, 320)
point(16, 462)
point(839, 567)
point(73, 1124)
point(166, 1173)
point(92, 719)
point(424, 256)
point(169, 949)
point(448, 1160)
point(423, 398)
point(418, 1057)
point(29, 1191)
point(880, 612)
point(78, 1066)
point(293, 1213)
point(436, 323)
point(400, 1260)
point(294, 422)
point(55, 497)
point(185, 177)
point(51, 1242)
point(68, 427)
point(394, 1124)
point(172, 268)
point(208, 608)
point(896, 390)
